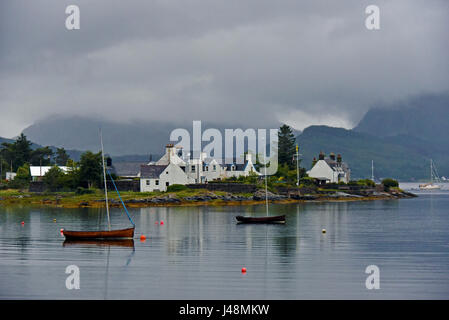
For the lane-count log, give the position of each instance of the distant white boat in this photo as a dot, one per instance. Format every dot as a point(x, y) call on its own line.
point(433, 175)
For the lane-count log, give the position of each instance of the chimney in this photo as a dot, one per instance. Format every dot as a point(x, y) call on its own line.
point(321, 156)
point(168, 150)
point(332, 156)
point(339, 158)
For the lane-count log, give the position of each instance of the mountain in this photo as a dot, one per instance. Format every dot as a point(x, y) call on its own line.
point(358, 149)
point(81, 133)
point(424, 117)
point(400, 138)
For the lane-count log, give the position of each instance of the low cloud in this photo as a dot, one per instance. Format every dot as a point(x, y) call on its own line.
point(251, 63)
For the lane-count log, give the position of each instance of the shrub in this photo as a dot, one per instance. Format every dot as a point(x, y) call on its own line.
point(176, 187)
point(81, 190)
point(366, 182)
point(389, 183)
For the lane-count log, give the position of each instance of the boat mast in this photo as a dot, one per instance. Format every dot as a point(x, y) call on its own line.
point(105, 186)
point(372, 170)
point(266, 188)
point(431, 172)
point(297, 166)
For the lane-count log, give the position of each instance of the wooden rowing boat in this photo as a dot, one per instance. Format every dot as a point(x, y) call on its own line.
point(272, 219)
point(112, 235)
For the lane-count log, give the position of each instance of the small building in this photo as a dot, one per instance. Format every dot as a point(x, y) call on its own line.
point(126, 169)
point(37, 172)
point(330, 170)
point(155, 177)
point(9, 176)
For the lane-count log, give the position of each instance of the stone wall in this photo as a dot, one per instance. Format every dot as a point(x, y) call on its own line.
point(226, 187)
point(37, 186)
point(124, 185)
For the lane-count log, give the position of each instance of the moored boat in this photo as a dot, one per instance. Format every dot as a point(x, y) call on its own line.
point(270, 219)
point(104, 235)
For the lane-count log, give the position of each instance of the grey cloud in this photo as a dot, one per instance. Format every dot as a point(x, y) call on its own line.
point(252, 63)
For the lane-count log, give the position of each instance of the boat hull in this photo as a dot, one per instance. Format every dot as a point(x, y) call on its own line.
point(272, 219)
point(429, 187)
point(100, 235)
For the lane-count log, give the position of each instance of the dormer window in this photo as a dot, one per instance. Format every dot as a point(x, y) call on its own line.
point(214, 167)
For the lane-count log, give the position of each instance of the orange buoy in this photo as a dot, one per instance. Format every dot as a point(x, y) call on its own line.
point(243, 270)
point(162, 223)
point(142, 237)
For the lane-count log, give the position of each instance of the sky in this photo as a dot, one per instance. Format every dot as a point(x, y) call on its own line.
point(247, 63)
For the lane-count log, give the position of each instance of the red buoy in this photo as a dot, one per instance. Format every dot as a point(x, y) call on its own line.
point(142, 237)
point(22, 223)
point(243, 270)
point(162, 223)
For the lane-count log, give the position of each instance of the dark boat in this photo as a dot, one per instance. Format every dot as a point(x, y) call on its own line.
point(104, 235)
point(272, 219)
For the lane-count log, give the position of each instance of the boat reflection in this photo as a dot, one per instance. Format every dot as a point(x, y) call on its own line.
point(128, 243)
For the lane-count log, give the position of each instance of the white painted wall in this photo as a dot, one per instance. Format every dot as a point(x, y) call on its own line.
point(173, 174)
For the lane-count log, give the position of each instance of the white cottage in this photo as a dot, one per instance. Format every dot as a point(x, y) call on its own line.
point(37, 172)
point(330, 170)
point(175, 168)
point(155, 177)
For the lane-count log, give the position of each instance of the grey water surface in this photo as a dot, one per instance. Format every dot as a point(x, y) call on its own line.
point(198, 252)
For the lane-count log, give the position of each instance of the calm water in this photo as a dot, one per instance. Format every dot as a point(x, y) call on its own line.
point(199, 251)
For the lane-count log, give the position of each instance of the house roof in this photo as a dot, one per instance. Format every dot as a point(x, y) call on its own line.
point(152, 171)
point(127, 169)
point(337, 166)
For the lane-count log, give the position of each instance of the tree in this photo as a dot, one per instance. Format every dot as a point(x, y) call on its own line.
point(286, 146)
point(18, 153)
point(90, 169)
point(61, 157)
point(389, 183)
point(41, 156)
point(22, 178)
point(53, 179)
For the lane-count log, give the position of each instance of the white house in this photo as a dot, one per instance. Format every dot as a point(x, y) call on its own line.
point(176, 168)
point(330, 170)
point(155, 177)
point(37, 172)
point(241, 169)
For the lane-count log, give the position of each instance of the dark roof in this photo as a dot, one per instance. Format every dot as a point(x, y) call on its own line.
point(334, 164)
point(126, 169)
point(151, 171)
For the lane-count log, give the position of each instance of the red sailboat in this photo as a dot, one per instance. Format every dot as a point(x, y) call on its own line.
point(103, 234)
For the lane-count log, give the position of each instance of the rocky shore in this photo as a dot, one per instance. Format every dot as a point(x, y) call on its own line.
point(200, 197)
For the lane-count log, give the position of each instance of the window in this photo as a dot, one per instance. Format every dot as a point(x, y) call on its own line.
point(157, 182)
point(207, 168)
point(193, 168)
point(214, 167)
point(167, 184)
point(148, 182)
point(166, 172)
